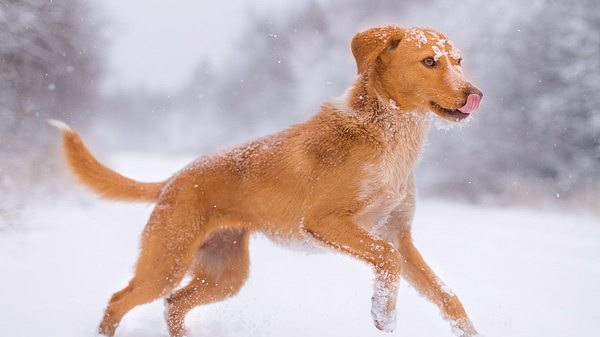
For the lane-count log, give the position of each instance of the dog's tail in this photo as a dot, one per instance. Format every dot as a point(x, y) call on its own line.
point(99, 178)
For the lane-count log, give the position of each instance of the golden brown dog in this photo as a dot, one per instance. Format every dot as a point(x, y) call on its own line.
point(343, 178)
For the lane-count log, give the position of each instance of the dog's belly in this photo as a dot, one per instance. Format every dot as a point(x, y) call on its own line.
point(297, 240)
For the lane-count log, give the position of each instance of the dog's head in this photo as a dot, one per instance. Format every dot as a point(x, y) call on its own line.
point(418, 69)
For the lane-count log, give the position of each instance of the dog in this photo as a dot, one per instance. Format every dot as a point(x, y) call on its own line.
point(344, 178)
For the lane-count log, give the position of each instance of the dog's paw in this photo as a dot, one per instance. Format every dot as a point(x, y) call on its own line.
point(461, 333)
point(463, 328)
point(384, 321)
point(385, 324)
point(107, 330)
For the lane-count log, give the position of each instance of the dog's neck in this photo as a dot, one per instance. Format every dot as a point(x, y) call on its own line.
point(401, 129)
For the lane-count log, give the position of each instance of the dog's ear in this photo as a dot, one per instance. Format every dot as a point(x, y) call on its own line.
point(369, 44)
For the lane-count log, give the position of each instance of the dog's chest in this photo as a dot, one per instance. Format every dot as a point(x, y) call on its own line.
point(385, 180)
point(382, 190)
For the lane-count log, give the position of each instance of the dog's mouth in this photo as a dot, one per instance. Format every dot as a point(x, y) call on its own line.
point(471, 104)
point(454, 115)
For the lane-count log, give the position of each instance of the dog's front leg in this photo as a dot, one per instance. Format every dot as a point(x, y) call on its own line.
point(345, 235)
point(416, 271)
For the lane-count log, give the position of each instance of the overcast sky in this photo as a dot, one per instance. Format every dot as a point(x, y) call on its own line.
point(156, 43)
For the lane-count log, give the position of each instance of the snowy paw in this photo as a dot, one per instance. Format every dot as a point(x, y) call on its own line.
point(384, 322)
point(461, 328)
point(471, 333)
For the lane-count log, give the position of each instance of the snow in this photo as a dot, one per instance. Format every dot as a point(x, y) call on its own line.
point(518, 272)
point(418, 36)
point(381, 296)
point(440, 50)
point(438, 53)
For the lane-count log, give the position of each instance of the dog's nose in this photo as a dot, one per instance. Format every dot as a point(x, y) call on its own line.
point(473, 90)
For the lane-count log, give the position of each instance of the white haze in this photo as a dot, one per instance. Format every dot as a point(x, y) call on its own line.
point(156, 44)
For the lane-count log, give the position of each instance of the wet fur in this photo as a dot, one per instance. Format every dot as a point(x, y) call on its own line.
point(343, 178)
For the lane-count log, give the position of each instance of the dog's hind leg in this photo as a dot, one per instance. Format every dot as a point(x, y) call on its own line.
point(168, 244)
point(220, 270)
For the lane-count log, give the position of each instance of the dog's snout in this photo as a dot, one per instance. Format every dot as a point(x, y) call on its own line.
point(473, 90)
point(472, 100)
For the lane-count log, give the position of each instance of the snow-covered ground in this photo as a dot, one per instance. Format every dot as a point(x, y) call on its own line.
point(518, 272)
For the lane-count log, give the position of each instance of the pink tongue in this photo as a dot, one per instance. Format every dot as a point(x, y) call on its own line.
point(471, 105)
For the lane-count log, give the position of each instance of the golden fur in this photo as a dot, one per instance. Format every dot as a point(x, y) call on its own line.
point(344, 178)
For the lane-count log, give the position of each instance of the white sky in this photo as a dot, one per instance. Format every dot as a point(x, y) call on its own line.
point(156, 43)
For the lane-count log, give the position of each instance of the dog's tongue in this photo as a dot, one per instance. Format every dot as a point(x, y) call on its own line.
point(471, 105)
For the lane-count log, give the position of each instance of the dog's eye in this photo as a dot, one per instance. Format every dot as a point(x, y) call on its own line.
point(429, 62)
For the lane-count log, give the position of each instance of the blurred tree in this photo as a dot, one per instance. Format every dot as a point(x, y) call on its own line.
point(49, 65)
point(49, 59)
point(544, 132)
point(260, 84)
